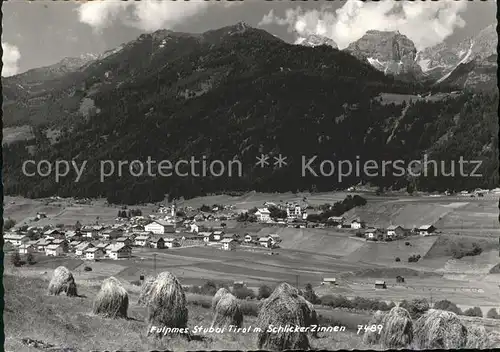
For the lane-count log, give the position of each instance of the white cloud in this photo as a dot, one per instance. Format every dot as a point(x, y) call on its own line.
point(147, 15)
point(10, 59)
point(425, 23)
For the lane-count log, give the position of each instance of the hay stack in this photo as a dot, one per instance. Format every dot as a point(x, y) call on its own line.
point(373, 337)
point(283, 308)
point(494, 339)
point(62, 282)
point(167, 305)
point(311, 317)
point(227, 312)
point(112, 300)
point(477, 337)
point(145, 290)
point(398, 329)
point(218, 295)
point(439, 329)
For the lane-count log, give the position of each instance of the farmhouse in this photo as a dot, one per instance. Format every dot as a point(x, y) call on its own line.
point(142, 241)
point(26, 248)
point(336, 220)
point(395, 231)
point(73, 244)
point(232, 236)
point(275, 239)
point(53, 233)
point(356, 224)
point(380, 284)
point(263, 215)
point(426, 230)
point(62, 242)
point(157, 242)
point(172, 242)
point(89, 232)
point(293, 211)
point(42, 244)
point(119, 251)
point(400, 279)
point(373, 233)
point(54, 250)
point(15, 239)
point(125, 240)
point(207, 236)
point(160, 227)
point(265, 242)
point(40, 216)
point(82, 247)
point(218, 235)
point(94, 253)
point(228, 244)
point(111, 234)
point(329, 281)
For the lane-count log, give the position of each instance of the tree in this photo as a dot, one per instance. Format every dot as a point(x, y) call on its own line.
point(492, 314)
point(264, 292)
point(474, 312)
point(8, 224)
point(78, 225)
point(310, 295)
point(30, 259)
point(448, 306)
point(16, 259)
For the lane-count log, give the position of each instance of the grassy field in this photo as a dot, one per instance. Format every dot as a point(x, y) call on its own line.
point(68, 322)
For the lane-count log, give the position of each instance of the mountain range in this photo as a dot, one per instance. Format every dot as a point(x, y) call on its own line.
point(237, 92)
point(468, 63)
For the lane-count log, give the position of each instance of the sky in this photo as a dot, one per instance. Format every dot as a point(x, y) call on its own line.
point(43, 32)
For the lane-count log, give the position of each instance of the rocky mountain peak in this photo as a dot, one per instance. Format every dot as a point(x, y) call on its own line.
point(316, 40)
point(389, 51)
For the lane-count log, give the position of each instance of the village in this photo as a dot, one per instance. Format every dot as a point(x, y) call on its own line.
point(170, 227)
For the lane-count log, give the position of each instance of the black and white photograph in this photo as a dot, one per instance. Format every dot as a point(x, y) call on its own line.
point(250, 175)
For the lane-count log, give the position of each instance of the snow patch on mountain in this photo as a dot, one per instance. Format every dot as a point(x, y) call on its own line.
point(462, 61)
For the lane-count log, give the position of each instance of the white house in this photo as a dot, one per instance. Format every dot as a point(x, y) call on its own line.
point(394, 231)
point(228, 244)
point(94, 253)
point(142, 241)
point(193, 228)
point(336, 219)
point(293, 212)
point(263, 215)
point(42, 244)
point(329, 281)
point(172, 242)
point(160, 227)
point(218, 235)
point(275, 239)
point(15, 239)
point(120, 251)
point(54, 250)
point(373, 233)
point(265, 242)
point(356, 224)
point(26, 248)
point(207, 236)
point(82, 247)
point(426, 230)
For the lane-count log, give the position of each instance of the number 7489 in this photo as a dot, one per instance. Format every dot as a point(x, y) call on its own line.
point(370, 328)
